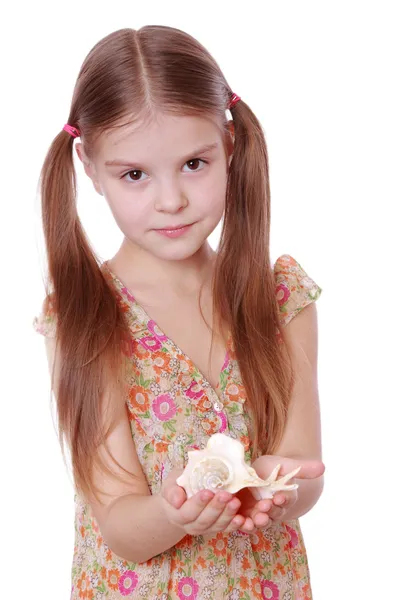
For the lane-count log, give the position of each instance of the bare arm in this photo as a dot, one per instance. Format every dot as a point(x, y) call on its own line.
point(309, 480)
point(136, 527)
point(302, 436)
point(133, 523)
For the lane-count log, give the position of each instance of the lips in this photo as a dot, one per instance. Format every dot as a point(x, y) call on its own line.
point(173, 228)
point(175, 231)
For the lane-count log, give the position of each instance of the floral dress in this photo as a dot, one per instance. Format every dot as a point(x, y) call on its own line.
point(173, 408)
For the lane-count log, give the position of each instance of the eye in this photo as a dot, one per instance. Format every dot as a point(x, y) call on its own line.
point(136, 172)
point(195, 161)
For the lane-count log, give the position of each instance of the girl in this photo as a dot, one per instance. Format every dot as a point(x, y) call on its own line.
point(168, 342)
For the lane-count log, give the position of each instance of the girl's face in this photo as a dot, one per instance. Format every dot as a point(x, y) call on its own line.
point(170, 173)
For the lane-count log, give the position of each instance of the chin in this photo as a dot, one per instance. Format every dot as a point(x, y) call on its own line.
point(181, 252)
point(177, 248)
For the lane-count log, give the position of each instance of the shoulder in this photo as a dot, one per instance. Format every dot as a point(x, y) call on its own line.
point(45, 321)
point(295, 289)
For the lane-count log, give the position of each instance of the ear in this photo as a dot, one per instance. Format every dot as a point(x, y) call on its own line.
point(87, 165)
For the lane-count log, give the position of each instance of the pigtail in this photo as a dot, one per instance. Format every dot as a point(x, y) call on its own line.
point(90, 325)
point(244, 288)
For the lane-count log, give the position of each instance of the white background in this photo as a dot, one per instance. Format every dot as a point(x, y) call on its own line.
point(323, 79)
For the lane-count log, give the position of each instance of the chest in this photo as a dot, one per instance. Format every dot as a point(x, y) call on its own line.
point(182, 322)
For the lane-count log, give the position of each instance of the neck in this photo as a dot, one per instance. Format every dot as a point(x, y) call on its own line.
point(143, 270)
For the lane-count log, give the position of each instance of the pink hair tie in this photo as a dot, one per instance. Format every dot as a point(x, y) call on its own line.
point(235, 98)
point(72, 130)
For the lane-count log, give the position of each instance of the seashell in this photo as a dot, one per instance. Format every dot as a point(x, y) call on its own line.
point(221, 466)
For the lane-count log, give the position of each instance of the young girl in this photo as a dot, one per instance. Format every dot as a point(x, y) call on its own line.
point(169, 342)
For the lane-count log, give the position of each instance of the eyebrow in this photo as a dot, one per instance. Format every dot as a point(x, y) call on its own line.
point(120, 162)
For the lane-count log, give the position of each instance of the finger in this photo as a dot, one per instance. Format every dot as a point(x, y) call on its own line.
point(263, 505)
point(306, 469)
point(235, 524)
point(310, 469)
point(194, 506)
point(248, 526)
point(227, 515)
point(285, 499)
point(261, 520)
point(276, 513)
point(282, 501)
point(260, 506)
point(173, 493)
point(279, 499)
point(260, 513)
point(176, 496)
point(213, 511)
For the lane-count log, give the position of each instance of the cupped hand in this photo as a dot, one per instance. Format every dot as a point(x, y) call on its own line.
point(207, 513)
point(282, 501)
point(257, 512)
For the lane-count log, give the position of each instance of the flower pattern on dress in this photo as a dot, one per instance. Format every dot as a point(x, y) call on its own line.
point(173, 409)
point(127, 582)
point(164, 407)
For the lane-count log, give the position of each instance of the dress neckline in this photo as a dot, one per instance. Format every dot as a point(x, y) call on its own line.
point(135, 304)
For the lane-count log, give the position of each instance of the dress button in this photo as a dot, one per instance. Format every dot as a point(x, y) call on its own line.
point(218, 406)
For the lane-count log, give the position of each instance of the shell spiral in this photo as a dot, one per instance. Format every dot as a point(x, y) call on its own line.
point(211, 473)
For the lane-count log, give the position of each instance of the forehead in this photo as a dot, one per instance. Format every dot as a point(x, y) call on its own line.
point(167, 136)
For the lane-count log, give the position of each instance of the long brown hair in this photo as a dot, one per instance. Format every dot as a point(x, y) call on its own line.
point(126, 77)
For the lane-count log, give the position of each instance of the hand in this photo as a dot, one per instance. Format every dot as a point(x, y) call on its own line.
point(205, 513)
point(281, 503)
point(284, 500)
point(256, 511)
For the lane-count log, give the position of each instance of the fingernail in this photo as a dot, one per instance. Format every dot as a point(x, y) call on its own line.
point(223, 498)
point(206, 495)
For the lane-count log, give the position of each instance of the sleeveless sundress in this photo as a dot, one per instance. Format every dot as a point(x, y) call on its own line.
point(173, 408)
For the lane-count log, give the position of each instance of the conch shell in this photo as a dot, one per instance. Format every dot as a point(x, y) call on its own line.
point(221, 466)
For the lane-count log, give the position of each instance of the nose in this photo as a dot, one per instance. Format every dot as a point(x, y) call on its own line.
point(170, 198)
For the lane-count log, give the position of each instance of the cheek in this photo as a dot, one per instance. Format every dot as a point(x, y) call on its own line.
point(211, 201)
point(130, 213)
